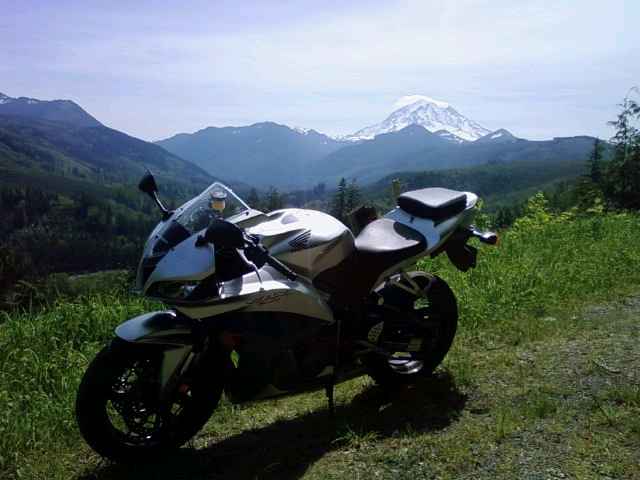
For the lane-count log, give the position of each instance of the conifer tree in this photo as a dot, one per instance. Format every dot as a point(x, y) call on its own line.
point(589, 187)
point(622, 175)
point(339, 202)
point(352, 197)
point(595, 162)
point(274, 200)
point(253, 199)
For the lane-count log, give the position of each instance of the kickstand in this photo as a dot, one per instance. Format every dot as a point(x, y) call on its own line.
point(329, 388)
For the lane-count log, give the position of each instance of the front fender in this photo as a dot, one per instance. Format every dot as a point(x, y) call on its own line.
point(164, 328)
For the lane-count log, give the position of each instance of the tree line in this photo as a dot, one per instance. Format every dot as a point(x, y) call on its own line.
point(611, 182)
point(616, 182)
point(43, 233)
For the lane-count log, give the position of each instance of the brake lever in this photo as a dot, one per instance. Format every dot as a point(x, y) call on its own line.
point(252, 265)
point(253, 242)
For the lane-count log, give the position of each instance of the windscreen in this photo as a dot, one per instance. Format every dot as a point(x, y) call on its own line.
point(217, 201)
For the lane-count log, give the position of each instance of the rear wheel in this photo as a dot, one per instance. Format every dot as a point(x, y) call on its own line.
point(435, 315)
point(118, 406)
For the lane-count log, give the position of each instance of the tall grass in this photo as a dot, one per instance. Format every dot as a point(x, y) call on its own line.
point(43, 356)
point(538, 267)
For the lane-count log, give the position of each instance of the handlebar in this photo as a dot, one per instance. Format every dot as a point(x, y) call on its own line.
point(261, 253)
point(254, 251)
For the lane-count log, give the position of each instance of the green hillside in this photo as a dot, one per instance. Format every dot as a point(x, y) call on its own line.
point(93, 154)
point(496, 183)
point(68, 195)
point(415, 149)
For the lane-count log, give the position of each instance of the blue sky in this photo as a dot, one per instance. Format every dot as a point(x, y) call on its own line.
point(153, 69)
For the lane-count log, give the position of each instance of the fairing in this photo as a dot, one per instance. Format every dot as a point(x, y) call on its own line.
point(307, 240)
point(184, 263)
point(269, 292)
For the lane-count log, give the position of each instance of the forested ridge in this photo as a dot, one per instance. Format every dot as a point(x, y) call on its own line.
point(58, 219)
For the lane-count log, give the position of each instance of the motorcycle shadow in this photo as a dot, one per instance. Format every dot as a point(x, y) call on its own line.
point(286, 448)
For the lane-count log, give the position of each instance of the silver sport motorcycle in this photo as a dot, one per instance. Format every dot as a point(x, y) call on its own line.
point(265, 305)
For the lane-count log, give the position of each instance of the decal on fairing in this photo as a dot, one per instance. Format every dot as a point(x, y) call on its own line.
point(268, 298)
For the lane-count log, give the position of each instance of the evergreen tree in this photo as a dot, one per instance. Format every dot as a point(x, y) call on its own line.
point(396, 189)
point(339, 201)
point(589, 187)
point(253, 199)
point(595, 162)
point(274, 200)
point(504, 217)
point(352, 197)
point(319, 190)
point(622, 175)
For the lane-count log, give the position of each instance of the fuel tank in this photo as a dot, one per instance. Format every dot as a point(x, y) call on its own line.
point(308, 241)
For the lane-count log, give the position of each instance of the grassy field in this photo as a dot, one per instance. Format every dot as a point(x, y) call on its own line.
point(543, 380)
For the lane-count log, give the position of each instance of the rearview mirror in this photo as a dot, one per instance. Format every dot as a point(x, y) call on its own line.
point(148, 184)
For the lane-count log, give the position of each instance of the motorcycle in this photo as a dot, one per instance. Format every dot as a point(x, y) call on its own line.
point(272, 304)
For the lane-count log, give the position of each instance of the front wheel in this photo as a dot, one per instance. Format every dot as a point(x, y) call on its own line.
point(119, 409)
point(436, 310)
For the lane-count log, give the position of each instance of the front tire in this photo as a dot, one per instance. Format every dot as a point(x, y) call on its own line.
point(441, 312)
point(118, 410)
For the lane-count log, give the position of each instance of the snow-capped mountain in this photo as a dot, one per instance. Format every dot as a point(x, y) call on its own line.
point(434, 115)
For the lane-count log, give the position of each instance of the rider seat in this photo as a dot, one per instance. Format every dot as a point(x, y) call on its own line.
point(433, 203)
point(386, 238)
point(384, 243)
point(381, 245)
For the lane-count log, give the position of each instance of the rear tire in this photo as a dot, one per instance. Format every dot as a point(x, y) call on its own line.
point(115, 383)
point(442, 308)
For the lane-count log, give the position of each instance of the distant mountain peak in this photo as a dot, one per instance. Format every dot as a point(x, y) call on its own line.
point(433, 115)
point(502, 132)
point(29, 101)
point(65, 111)
point(272, 154)
point(500, 135)
point(310, 131)
point(421, 99)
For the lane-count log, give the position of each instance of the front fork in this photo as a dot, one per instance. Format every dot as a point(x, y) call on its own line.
point(180, 338)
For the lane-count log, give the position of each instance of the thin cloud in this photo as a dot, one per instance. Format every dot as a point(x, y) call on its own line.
point(334, 67)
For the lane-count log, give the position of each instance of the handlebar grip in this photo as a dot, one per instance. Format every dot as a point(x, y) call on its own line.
point(282, 268)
